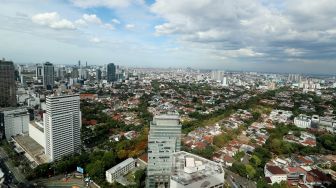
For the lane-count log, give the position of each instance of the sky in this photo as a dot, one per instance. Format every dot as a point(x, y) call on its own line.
point(245, 35)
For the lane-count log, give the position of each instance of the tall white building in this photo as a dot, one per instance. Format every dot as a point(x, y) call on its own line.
point(191, 171)
point(14, 121)
point(62, 123)
point(164, 139)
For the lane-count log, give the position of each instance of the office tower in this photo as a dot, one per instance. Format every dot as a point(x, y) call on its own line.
point(164, 139)
point(225, 84)
point(191, 171)
point(39, 72)
point(98, 74)
point(14, 121)
point(111, 72)
point(62, 122)
point(48, 76)
point(7, 84)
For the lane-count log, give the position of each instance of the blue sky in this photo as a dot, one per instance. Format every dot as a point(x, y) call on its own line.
point(256, 35)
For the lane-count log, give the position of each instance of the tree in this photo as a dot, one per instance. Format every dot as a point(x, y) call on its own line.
point(251, 172)
point(96, 169)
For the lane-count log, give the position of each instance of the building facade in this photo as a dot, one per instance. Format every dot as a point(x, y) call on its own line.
point(120, 169)
point(164, 139)
point(62, 124)
point(302, 121)
point(111, 73)
point(48, 75)
point(15, 121)
point(7, 84)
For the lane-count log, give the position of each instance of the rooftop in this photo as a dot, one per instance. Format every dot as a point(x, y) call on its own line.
point(189, 168)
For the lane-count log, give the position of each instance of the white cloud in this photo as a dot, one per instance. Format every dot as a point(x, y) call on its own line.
point(80, 23)
point(52, 20)
point(129, 26)
point(103, 3)
point(108, 26)
point(294, 52)
point(95, 40)
point(115, 21)
point(92, 18)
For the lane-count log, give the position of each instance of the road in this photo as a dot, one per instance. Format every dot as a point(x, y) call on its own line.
point(12, 173)
point(236, 181)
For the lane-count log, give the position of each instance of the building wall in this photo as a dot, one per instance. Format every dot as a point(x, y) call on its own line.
point(62, 123)
point(7, 84)
point(216, 181)
point(15, 122)
point(163, 140)
point(37, 135)
point(302, 123)
point(111, 177)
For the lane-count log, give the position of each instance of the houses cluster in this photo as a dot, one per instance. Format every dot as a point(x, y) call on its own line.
point(201, 137)
point(300, 171)
point(236, 119)
point(280, 116)
point(305, 138)
point(130, 135)
point(258, 132)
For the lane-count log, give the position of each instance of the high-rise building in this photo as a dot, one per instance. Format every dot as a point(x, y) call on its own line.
point(14, 121)
point(7, 84)
point(111, 72)
point(191, 171)
point(62, 122)
point(48, 75)
point(39, 72)
point(98, 74)
point(164, 139)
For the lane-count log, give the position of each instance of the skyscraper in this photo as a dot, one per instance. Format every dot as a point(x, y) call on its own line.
point(62, 122)
point(7, 84)
point(48, 75)
point(98, 74)
point(39, 72)
point(111, 72)
point(164, 139)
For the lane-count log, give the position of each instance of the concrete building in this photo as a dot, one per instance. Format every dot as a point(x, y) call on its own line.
point(14, 121)
point(36, 132)
point(111, 73)
point(315, 121)
point(327, 124)
point(191, 171)
point(39, 72)
point(48, 75)
point(98, 74)
point(164, 139)
point(7, 84)
point(62, 124)
point(119, 170)
point(302, 121)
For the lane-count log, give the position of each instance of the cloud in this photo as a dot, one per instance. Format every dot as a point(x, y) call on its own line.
point(129, 26)
point(95, 40)
point(275, 30)
point(52, 20)
point(115, 21)
point(92, 18)
point(102, 3)
point(80, 23)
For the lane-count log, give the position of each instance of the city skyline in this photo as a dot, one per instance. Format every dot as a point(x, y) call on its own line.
point(267, 36)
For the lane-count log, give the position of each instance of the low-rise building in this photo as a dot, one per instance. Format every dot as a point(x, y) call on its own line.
point(191, 171)
point(274, 174)
point(302, 121)
point(120, 170)
point(14, 121)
